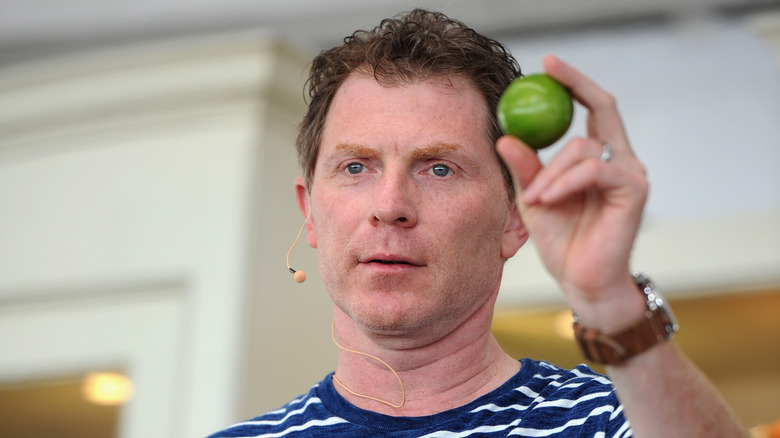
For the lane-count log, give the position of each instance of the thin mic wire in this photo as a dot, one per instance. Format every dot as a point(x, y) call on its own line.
point(296, 240)
point(357, 394)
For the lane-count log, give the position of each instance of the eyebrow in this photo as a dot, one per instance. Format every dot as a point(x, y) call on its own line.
point(422, 153)
point(357, 150)
point(434, 151)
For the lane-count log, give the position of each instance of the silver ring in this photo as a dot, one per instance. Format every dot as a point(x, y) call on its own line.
point(606, 153)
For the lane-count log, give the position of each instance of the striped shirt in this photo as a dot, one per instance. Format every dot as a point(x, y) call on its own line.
point(541, 400)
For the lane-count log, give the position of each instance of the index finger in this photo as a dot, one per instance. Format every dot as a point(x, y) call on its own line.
point(604, 118)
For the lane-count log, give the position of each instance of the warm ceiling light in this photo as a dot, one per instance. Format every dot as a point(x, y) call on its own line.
point(107, 388)
point(562, 322)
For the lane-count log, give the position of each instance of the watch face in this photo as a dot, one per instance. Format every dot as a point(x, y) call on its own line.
point(656, 300)
point(671, 324)
point(673, 327)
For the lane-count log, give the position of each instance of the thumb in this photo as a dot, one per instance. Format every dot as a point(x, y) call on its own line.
point(522, 161)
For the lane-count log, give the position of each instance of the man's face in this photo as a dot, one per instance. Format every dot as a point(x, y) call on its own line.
point(410, 216)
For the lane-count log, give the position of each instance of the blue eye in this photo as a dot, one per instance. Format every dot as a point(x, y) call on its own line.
point(440, 170)
point(355, 168)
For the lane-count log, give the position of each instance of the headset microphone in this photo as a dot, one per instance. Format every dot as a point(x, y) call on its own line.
point(298, 276)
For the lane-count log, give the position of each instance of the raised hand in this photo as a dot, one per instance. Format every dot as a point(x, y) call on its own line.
point(583, 209)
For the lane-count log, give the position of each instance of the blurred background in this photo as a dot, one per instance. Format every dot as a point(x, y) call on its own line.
point(146, 199)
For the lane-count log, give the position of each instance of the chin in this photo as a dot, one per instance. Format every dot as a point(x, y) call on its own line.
point(387, 322)
point(415, 319)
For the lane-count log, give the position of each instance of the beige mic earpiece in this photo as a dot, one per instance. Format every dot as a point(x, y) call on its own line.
point(298, 276)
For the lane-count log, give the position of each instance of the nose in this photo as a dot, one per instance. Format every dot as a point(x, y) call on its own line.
point(394, 200)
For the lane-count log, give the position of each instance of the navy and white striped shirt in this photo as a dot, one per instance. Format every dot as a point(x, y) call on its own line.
point(541, 400)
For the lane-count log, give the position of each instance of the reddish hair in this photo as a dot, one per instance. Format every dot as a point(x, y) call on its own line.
point(413, 46)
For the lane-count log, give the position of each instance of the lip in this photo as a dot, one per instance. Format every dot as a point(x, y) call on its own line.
point(389, 262)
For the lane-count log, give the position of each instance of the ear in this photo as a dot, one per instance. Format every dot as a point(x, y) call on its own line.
point(304, 204)
point(515, 233)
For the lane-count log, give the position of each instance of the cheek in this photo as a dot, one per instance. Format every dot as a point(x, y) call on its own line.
point(474, 236)
point(480, 217)
point(333, 230)
point(327, 213)
point(322, 233)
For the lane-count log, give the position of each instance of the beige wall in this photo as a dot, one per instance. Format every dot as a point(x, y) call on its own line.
point(161, 176)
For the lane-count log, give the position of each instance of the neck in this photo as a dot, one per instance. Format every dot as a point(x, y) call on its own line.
point(398, 376)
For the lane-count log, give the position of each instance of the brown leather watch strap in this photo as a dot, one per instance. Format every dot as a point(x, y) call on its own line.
point(611, 348)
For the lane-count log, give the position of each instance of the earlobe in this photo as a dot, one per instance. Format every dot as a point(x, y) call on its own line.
point(515, 233)
point(304, 204)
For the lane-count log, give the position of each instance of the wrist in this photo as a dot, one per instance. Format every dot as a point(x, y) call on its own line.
point(616, 308)
point(655, 325)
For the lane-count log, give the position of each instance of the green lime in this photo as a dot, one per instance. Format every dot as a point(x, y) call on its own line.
point(537, 109)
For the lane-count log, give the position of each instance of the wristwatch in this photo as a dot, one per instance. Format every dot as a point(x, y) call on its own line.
point(658, 324)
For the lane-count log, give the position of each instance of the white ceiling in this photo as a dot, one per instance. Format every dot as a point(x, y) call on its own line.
point(36, 28)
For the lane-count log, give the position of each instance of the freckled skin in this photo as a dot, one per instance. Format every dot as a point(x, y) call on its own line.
point(406, 172)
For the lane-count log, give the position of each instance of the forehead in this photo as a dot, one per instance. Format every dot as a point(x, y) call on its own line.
point(437, 109)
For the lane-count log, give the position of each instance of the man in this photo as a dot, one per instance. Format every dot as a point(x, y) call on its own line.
point(413, 215)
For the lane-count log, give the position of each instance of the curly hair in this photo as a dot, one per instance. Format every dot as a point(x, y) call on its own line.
point(409, 47)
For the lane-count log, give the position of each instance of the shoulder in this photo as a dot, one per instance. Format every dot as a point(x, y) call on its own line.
point(578, 379)
point(567, 387)
point(546, 399)
point(298, 415)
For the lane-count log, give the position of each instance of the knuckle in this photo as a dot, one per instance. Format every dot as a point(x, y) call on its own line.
point(594, 166)
point(642, 182)
point(641, 169)
point(580, 142)
point(607, 100)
